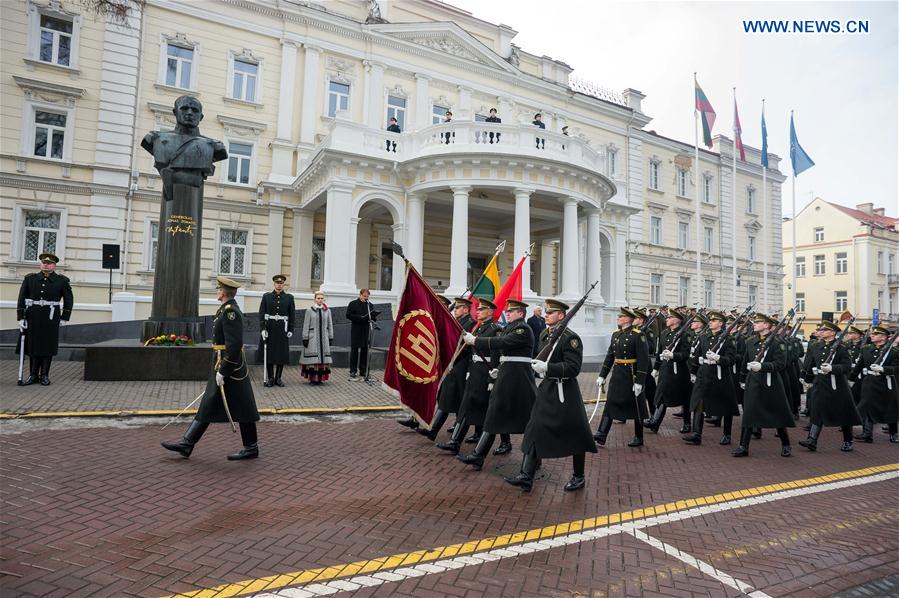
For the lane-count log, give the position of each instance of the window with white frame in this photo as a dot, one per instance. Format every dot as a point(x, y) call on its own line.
point(56, 40)
point(750, 200)
point(683, 289)
point(179, 63)
point(800, 265)
point(613, 162)
point(338, 97)
point(655, 175)
point(152, 244)
point(750, 247)
point(709, 235)
point(880, 262)
point(49, 134)
point(232, 254)
point(438, 113)
point(842, 300)
point(240, 163)
point(753, 294)
point(682, 182)
point(40, 233)
point(819, 234)
point(820, 268)
point(655, 230)
point(396, 108)
point(892, 302)
point(318, 259)
point(709, 292)
point(800, 302)
point(707, 189)
point(655, 289)
point(879, 300)
point(244, 79)
point(842, 262)
point(683, 235)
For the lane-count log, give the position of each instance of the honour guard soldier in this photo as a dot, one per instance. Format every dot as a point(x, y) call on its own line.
point(45, 299)
point(478, 385)
point(628, 361)
point(713, 393)
point(765, 402)
point(229, 395)
point(879, 388)
point(854, 346)
point(514, 391)
point(558, 426)
point(831, 399)
point(276, 318)
point(649, 388)
point(673, 388)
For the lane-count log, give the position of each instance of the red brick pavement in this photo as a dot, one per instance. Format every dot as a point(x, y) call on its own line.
point(107, 512)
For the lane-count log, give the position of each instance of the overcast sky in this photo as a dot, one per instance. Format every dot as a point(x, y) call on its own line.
point(844, 88)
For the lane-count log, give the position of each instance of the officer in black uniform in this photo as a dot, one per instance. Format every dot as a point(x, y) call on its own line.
point(276, 319)
point(628, 361)
point(514, 391)
point(45, 299)
point(673, 388)
point(649, 387)
point(558, 426)
point(229, 395)
point(853, 343)
point(879, 388)
point(713, 393)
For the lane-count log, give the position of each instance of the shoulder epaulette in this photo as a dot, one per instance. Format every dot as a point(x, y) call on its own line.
point(637, 330)
point(228, 306)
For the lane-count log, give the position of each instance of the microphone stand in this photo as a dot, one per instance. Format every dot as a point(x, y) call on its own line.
point(368, 342)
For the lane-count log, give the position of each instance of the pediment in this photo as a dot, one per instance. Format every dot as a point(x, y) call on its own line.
point(445, 39)
point(753, 225)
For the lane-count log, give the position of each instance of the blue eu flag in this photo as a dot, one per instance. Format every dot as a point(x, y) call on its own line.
point(801, 161)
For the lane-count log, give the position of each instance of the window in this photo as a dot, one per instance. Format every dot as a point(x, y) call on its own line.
point(750, 248)
point(245, 80)
point(842, 263)
point(709, 235)
point(890, 264)
point(800, 302)
point(655, 289)
point(338, 97)
point(396, 108)
point(655, 175)
point(233, 251)
point(842, 300)
point(880, 262)
point(879, 300)
point(683, 234)
point(40, 233)
point(240, 159)
point(800, 266)
point(707, 189)
point(819, 265)
point(753, 294)
point(437, 114)
point(178, 64)
point(55, 40)
point(681, 182)
point(318, 259)
point(613, 163)
point(709, 291)
point(152, 244)
point(49, 134)
point(655, 230)
point(683, 290)
point(750, 200)
point(819, 234)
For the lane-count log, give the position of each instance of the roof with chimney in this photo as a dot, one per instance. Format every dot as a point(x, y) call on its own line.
point(866, 213)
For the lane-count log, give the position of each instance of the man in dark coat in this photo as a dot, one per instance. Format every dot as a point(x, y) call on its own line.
point(538, 324)
point(713, 393)
point(45, 299)
point(558, 426)
point(673, 385)
point(362, 317)
point(514, 391)
point(649, 386)
point(826, 367)
point(853, 344)
point(276, 319)
point(628, 361)
point(765, 403)
point(229, 395)
point(879, 388)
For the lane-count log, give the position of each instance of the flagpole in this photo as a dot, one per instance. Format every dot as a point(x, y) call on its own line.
point(765, 230)
point(698, 294)
point(794, 224)
point(733, 208)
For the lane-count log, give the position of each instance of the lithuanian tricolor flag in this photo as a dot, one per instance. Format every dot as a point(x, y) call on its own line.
point(706, 114)
point(488, 284)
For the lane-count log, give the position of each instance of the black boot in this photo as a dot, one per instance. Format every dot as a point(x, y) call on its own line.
point(440, 417)
point(45, 371)
point(745, 438)
point(698, 423)
point(728, 426)
point(525, 477)
point(278, 370)
point(476, 459)
point(577, 480)
point(247, 452)
point(811, 443)
point(269, 376)
point(686, 428)
point(250, 448)
point(757, 433)
point(411, 422)
point(637, 440)
point(455, 440)
point(34, 371)
point(185, 446)
point(505, 445)
point(867, 434)
point(785, 449)
point(846, 447)
point(605, 424)
point(654, 422)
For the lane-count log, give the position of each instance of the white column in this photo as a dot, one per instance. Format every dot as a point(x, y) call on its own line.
point(415, 224)
point(464, 109)
point(282, 145)
point(459, 248)
point(311, 105)
point(594, 256)
point(523, 236)
point(362, 230)
point(374, 114)
point(301, 254)
point(547, 252)
point(275, 241)
point(505, 111)
point(422, 114)
point(398, 265)
point(569, 249)
point(340, 252)
point(620, 254)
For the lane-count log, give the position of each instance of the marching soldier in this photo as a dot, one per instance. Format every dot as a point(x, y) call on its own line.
point(673, 388)
point(558, 426)
point(765, 402)
point(45, 299)
point(854, 347)
point(628, 361)
point(713, 393)
point(649, 388)
point(514, 391)
point(476, 395)
point(229, 395)
point(831, 399)
point(276, 319)
point(879, 388)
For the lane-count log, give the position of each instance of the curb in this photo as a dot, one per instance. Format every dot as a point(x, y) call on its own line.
point(173, 412)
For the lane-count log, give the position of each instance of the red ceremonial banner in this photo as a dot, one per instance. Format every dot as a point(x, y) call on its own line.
point(425, 337)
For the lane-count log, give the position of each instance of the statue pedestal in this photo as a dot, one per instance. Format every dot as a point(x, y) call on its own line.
point(191, 328)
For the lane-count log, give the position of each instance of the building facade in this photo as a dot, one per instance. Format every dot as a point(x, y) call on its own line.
point(315, 187)
point(845, 259)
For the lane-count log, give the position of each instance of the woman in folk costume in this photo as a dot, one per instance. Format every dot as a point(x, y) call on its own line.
point(318, 334)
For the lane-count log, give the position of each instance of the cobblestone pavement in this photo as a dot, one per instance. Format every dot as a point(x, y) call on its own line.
point(106, 512)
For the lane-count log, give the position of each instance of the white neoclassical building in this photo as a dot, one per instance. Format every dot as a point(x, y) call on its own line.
point(315, 187)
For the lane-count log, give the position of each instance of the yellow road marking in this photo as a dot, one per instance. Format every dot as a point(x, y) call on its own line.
point(389, 562)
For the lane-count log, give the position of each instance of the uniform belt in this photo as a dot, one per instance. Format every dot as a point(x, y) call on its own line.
point(218, 347)
point(273, 317)
point(625, 361)
point(510, 358)
point(45, 303)
point(478, 359)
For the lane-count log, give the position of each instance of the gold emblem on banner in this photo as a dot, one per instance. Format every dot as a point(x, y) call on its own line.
point(416, 351)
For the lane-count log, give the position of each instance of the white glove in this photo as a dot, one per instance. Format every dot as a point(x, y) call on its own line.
point(754, 366)
point(743, 385)
point(876, 369)
point(22, 325)
point(638, 388)
point(539, 367)
point(693, 378)
point(666, 355)
point(702, 361)
point(600, 380)
point(825, 368)
point(494, 373)
point(289, 334)
point(655, 375)
point(219, 379)
point(468, 338)
point(712, 357)
point(264, 335)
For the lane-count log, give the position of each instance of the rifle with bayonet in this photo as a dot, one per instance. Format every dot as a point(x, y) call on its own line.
point(763, 347)
point(559, 329)
point(730, 328)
